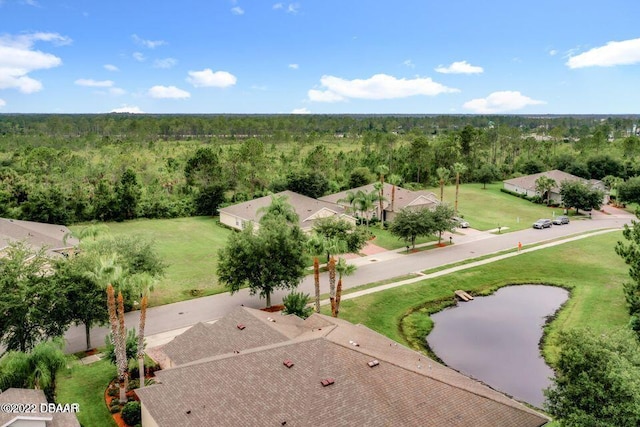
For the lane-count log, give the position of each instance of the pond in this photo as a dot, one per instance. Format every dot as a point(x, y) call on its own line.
point(495, 339)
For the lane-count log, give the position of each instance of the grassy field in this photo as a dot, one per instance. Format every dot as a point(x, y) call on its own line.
point(490, 208)
point(386, 240)
point(189, 246)
point(588, 267)
point(85, 385)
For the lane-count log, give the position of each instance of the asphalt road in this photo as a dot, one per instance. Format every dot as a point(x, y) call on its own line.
point(370, 269)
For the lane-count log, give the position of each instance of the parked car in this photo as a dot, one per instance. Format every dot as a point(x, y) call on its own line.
point(460, 222)
point(542, 223)
point(562, 219)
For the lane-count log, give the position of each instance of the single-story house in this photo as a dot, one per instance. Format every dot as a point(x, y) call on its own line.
point(29, 408)
point(308, 210)
point(253, 368)
point(55, 238)
point(396, 198)
point(527, 184)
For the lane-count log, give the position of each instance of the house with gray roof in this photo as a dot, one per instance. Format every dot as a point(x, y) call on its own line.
point(55, 238)
point(395, 199)
point(527, 184)
point(276, 370)
point(32, 410)
point(308, 209)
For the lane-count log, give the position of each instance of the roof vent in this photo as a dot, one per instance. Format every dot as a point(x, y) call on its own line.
point(236, 351)
point(288, 363)
point(373, 363)
point(271, 319)
point(354, 343)
point(327, 382)
point(241, 326)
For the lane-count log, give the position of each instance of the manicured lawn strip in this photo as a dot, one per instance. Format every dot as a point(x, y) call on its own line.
point(588, 267)
point(490, 208)
point(371, 285)
point(190, 248)
point(85, 385)
point(386, 240)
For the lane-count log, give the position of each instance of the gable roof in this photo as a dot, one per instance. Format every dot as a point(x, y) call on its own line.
point(36, 234)
point(528, 182)
point(255, 387)
point(402, 197)
point(33, 399)
point(305, 207)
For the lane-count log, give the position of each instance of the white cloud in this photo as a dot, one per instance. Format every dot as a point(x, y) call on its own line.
point(138, 56)
point(168, 92)
point(500, 102)
point(237, 10)
point(379, 86)
point(294, 66)
point(613, 53)
point(110, 67)
point(460, 67)
point(116, 91)
point(94, 83)
point(33, 3)
point(165, 63)
point(300, 111)
point(290, 8)
point(150, 44)
point(2, 103)
point(553, 52)
point(18, 59)
point(208, 78)
point(409, 63)
point(128, 109)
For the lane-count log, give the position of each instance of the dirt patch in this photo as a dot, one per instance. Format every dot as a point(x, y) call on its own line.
point(273, 308)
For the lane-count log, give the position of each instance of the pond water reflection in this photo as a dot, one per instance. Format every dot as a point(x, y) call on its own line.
point(495, 339)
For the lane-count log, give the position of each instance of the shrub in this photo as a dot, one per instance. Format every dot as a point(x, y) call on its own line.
point(131, 413)
point(296, 303)
point(132, 346)
point(114, 409)
point(113, 392)
point(133, 384)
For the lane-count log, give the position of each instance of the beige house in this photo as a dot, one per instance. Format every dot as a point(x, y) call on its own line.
point(308, 210)
point(396, 199)
point(527, 184)
point(253, 368)
point(32, 410)
point(37, 235)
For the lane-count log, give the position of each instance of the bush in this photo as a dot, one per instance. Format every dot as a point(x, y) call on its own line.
point(131, 413)
point(113, 392)
point(133, 384)
point(296, 303)
point(132, 346)
point(114, 409)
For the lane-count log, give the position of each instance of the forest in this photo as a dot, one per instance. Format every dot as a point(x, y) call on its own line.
point(76, 168)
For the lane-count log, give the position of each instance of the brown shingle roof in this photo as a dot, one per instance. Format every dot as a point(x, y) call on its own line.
point(528, 182)
point(305, 207)
point(402, 199)
point(33, 398)
point(255, 388)
point(36, 234)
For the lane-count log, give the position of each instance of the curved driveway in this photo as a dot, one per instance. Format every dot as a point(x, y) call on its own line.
point(370, 269)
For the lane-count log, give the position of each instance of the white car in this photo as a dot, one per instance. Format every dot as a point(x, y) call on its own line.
point(460, 222)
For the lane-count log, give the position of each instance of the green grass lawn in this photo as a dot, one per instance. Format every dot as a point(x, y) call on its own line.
point(490, 208)
point(588, 267)
point(189, 246)
point(85, 385)
point(386, 240)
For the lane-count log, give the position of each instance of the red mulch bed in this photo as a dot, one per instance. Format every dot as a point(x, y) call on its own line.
point(273, 308)
point(108, 399)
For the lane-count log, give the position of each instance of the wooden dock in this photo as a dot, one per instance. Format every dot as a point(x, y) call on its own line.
point(463, 295)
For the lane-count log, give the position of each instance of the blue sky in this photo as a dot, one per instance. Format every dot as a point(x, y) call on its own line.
point(320, 56)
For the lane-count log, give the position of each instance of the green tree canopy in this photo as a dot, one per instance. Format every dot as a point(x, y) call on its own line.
point(578, 195)
point(597, 381)
point(409, 224)
point(265, 259)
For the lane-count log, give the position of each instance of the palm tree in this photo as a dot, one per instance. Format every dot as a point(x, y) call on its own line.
point(343, 269)
point(36, 369)
point(350, 199)
point(144, 283)
point(382, 171)
point(394, 180)
point(443, 178)
point(333, 246)
point(279, 207)
point(366, 202)
point(458, 168)
point(545, 184)
point(121, 351)
point(316, 245)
